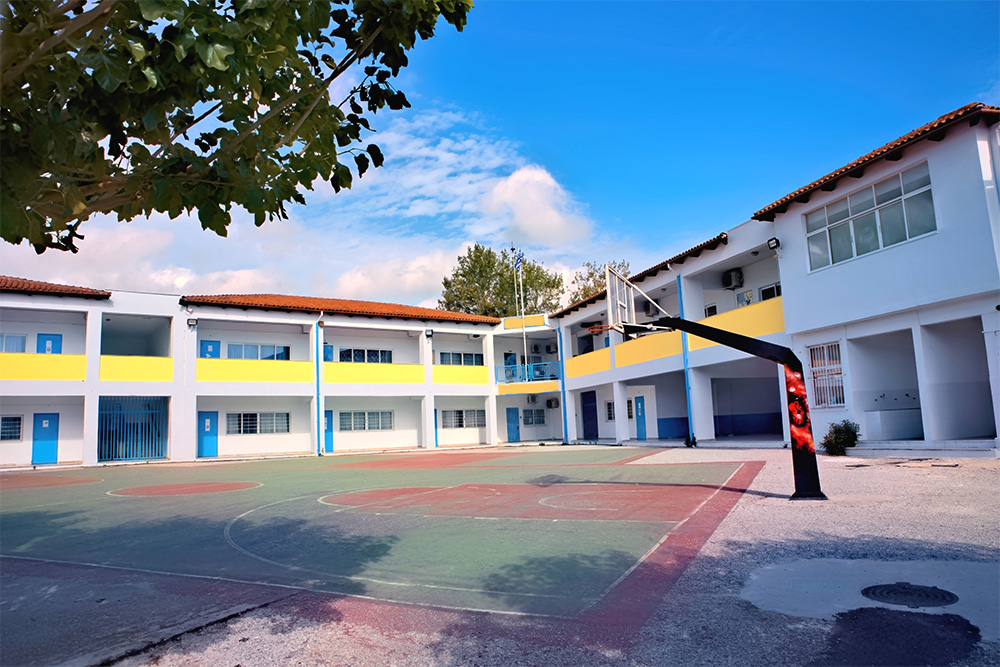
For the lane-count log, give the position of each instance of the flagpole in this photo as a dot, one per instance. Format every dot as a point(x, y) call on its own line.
point(524, 336)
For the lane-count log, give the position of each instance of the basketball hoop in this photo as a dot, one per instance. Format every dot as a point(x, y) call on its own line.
point(603, 328)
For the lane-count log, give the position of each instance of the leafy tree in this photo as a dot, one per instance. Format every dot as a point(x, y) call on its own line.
point(589, 280)
point(136, 106)
point(483, 284)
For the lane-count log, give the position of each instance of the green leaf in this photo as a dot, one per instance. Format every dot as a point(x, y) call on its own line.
point(150, 76)
point(376, 153)
point(181, 44)
point(214, 55)
point(110, 72)
point(137, 48)
point(362, 161)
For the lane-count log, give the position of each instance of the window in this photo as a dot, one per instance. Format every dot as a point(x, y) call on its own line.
point(611, 409)
point(460, 359)
point(710, 310)
point(253, 423)
point(464, 418)
point(534, 417)
point(881, 215)
point(359, 356)
point(770, 291)
point(327, 352)
point(10, 428)
point(14, 343)
point(365, 420)
point(827, 376)
point(255, 351)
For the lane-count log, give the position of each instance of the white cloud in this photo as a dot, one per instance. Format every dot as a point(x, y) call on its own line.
point(536, 209)
point(400, 279)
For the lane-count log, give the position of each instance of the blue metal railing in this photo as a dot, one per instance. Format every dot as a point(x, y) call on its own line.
point(131, 428)
point(528, 373)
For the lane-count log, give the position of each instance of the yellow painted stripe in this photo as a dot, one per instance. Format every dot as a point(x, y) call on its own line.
point(461, 375)
point(117, 368)
point(15, 366)
point(523, 322)
point(342, 372)
point(592, 362)
point(527, 387)
point(759, 319)
point(647, 348)
point(253, 370)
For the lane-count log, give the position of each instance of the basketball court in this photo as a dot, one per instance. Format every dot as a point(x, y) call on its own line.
point(564, 534)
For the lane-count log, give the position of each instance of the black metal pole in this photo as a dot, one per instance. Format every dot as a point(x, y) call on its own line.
point(804, 467)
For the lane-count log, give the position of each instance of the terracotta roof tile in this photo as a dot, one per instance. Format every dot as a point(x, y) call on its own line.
point(25, 286)
point(932, 130)
point(309, 304)
point(711, 244)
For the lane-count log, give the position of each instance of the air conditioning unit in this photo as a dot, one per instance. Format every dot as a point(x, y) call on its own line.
point(536, 349)
point(649, 308)
point(732, 279)
point(550, 349)
point(552, 403)
point(532, 399)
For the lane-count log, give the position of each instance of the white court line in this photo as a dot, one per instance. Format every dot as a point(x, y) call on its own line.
point(659, 543)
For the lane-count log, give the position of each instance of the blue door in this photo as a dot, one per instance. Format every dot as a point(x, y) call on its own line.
point(328, 431)
point(208, 434)
point(513, 425)
point(510, 366)
point(49, 344)
point(640, 417)
point(45, 438)
point(210, 349)
point(588, 406)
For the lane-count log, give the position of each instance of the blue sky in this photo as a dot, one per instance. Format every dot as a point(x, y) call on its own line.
point(579, 131)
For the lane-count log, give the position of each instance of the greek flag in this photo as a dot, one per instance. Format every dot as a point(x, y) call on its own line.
point(517, 262)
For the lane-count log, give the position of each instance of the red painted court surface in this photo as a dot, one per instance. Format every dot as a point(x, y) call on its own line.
point(589, 502)
point(193, 489)
point(30, 481)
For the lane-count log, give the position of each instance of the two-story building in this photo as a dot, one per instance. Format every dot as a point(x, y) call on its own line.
point(882, 277)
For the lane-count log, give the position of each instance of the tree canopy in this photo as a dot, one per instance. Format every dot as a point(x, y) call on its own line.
point(589, 280)
point(483, 284)
point(139, 106)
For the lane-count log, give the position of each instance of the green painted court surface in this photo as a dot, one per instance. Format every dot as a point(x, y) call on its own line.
point(542, 531)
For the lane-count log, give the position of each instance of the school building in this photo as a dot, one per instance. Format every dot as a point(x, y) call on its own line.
point(881, 276)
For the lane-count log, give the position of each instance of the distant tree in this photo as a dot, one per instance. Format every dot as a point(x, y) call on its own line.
point(589, 280)
point(483, 284)
point(139, 106)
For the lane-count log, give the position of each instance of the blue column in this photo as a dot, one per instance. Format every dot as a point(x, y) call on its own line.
point(687, 371)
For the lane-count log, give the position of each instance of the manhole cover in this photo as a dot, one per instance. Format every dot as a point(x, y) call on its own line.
point(910, 595)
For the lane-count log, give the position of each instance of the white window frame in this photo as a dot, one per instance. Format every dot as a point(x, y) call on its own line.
point(360, 420)
point(242, 419)
point(877, 209)
point(20, 428)
point(609, 411)
point(477, 358)
point(384, 356)
point(776, 286)
point(463, 418)
point(259, 356)
point(534, 417)
point(715, 309)
point(3, 342)
point(826, 369)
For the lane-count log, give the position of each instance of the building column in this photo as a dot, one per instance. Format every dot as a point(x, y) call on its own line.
point(492, 435)
point(570, 415)
point(428, 429)
point(702, 411)
point(991, 332)
point(621, 412)
point(183, 406)
point(91, 391)
point(925, 382)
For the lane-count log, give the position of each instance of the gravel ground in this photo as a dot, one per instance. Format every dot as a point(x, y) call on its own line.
point(942, 511)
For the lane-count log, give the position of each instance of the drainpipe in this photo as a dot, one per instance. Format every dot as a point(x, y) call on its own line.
point(320, 434)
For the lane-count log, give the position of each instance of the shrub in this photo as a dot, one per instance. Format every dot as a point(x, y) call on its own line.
point(841, 435)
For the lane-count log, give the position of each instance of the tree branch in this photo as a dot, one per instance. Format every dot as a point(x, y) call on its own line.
point(10, 75)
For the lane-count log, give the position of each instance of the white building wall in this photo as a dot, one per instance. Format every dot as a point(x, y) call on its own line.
point(70, 443)
point(72, 326)
point(297, 441)
point(406, 431)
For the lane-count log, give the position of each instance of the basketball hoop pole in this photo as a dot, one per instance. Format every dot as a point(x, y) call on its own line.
point(804, 465)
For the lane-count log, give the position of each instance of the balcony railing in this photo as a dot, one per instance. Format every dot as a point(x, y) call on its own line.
point(548, 370)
